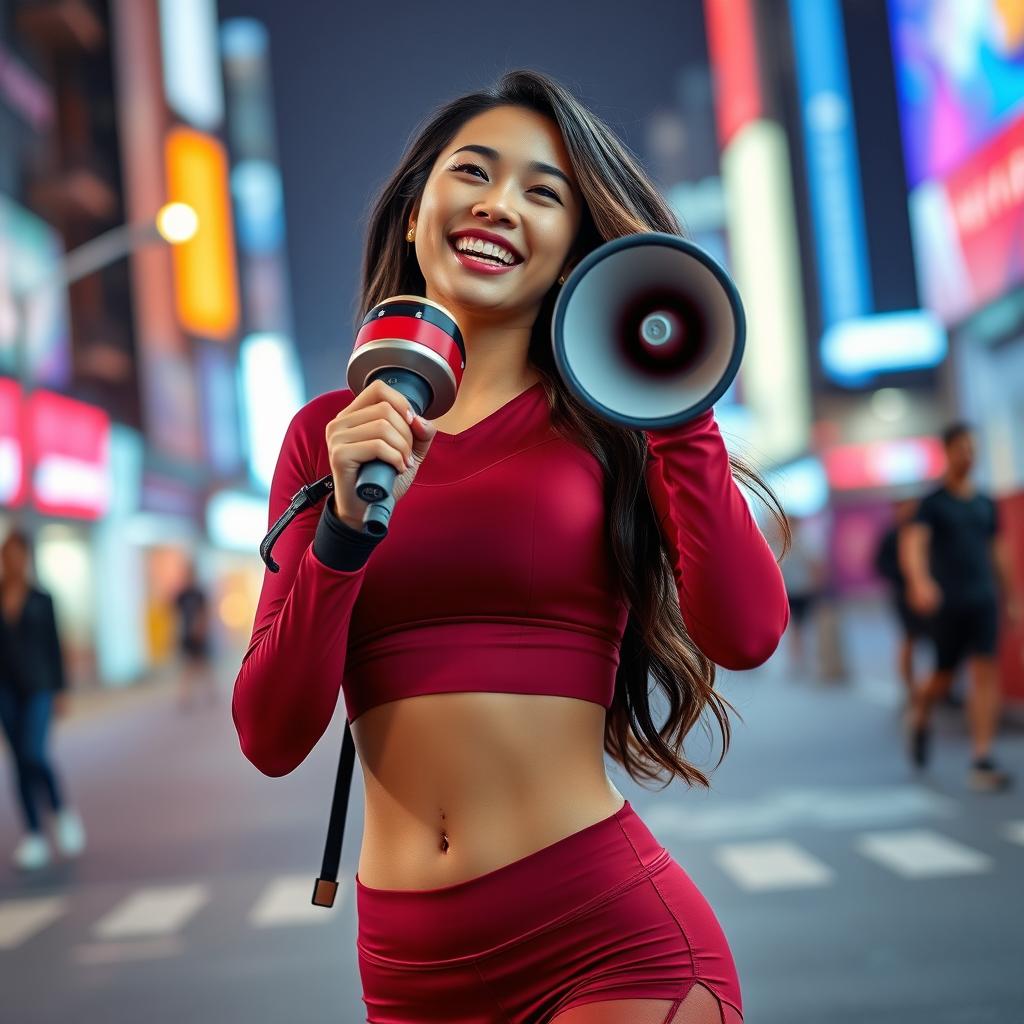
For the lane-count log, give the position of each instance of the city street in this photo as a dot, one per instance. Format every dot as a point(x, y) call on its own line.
point(852, 889)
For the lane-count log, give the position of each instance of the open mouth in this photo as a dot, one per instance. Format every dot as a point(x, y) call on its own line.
point(483, 254)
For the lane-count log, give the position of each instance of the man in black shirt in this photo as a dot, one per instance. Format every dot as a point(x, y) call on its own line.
point(955, 565)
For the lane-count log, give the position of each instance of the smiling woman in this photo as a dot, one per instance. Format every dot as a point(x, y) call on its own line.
point(543, 566)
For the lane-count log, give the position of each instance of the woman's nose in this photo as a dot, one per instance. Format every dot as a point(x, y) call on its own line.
point(496, 207)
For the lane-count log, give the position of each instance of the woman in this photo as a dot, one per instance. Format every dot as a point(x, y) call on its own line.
point(32, 684)
point(498, 641)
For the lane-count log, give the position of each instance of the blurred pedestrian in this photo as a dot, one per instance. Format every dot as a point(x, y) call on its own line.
point(913, 627)
point(956, 564)
point(194, 641)
point(803, 571)
point(32, 687)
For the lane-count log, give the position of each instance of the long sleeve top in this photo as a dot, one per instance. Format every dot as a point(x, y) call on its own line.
point(495, 575)
point(30, 652)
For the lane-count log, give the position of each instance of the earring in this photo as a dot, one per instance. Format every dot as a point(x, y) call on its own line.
point(410, 235)
point(561, 279)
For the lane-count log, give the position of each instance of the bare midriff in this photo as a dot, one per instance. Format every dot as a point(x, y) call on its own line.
point(460, 784)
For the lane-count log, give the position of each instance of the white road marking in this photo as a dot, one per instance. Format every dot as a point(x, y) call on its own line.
point(825, 807)
point(921, 853)
point(288, 900)
point(21, 919)
point(155, 911)
point(772, 864)
point(1014, 831)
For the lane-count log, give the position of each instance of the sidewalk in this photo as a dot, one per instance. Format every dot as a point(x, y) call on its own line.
point(159, 685)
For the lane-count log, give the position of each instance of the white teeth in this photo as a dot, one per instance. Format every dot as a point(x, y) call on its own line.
point(478, 245)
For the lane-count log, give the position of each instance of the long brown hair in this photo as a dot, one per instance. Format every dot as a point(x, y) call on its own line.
point(620, 200)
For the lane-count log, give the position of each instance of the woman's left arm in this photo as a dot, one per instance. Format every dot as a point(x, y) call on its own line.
point(731, 593)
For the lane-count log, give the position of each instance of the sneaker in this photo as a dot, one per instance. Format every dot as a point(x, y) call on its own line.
point(987, 778)
point(70, 832)
point(32, 853)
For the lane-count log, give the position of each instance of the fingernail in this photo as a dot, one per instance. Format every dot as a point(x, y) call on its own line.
point(410, 415)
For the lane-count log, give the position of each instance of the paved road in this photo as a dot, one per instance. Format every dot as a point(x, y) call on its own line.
point(852, 889)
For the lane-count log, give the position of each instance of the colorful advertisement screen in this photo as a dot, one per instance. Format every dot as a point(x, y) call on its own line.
point(960, 80)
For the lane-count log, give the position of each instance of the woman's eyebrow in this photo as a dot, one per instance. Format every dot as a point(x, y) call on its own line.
point(536, 165)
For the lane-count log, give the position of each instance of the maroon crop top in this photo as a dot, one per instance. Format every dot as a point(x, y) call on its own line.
point(495, 575)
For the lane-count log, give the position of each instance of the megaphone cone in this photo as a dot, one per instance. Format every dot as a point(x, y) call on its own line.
point(648, 331)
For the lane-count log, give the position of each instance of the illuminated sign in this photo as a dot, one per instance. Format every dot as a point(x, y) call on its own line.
point(12, 472)
point(773, 379)
point(70, 446)
point(205, 284)
point(830, 150)
point(960, 80)
point(732, 45)
point(905, 460)
point(854, 351)
point(272, 392)
point(191, 61)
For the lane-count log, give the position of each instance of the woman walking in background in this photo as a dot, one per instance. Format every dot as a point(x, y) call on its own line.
point(32, 686)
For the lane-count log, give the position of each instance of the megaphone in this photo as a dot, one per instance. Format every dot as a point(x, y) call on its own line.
point(648, 331)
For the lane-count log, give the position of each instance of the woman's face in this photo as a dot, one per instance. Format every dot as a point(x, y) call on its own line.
point(535, 211)
point(13, 560)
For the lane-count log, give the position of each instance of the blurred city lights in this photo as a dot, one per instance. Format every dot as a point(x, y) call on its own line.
point(852, 351)
point(177, 222)
point(889, 404)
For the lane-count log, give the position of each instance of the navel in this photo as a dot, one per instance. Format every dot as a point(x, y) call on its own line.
point(444, 835)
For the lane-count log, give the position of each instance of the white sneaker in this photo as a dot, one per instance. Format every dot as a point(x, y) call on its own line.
point(32, 853)
point(70, 832)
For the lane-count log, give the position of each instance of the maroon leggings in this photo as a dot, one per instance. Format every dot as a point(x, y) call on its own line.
point(604, 914)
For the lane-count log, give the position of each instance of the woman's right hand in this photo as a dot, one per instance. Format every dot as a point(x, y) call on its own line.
point(374, 425)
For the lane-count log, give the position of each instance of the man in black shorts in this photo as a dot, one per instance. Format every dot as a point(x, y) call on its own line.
point(955, 565)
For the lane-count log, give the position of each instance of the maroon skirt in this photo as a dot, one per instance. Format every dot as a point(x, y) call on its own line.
point(604, 914)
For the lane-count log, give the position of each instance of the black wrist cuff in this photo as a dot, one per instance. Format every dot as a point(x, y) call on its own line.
point(337, 545)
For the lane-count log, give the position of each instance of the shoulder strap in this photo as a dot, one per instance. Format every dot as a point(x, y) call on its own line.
point(326, 886)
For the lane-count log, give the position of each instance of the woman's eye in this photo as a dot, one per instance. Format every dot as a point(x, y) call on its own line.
point(465, 167)
point(549, 194)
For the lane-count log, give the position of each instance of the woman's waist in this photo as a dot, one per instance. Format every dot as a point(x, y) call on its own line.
point(416, 842)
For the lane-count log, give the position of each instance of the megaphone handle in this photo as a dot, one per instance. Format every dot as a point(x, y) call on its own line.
point(378, 515)
point(375, 480)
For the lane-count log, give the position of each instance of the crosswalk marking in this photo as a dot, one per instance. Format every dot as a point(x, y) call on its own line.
point(805, 806)
point(156, 911)
point(772, 864)
point(143, 924)
point(21, 919)
point(922, 853)
point(288, 900)
point(1014, 831)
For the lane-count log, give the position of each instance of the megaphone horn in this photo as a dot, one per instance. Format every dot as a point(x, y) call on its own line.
point(648, 331)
